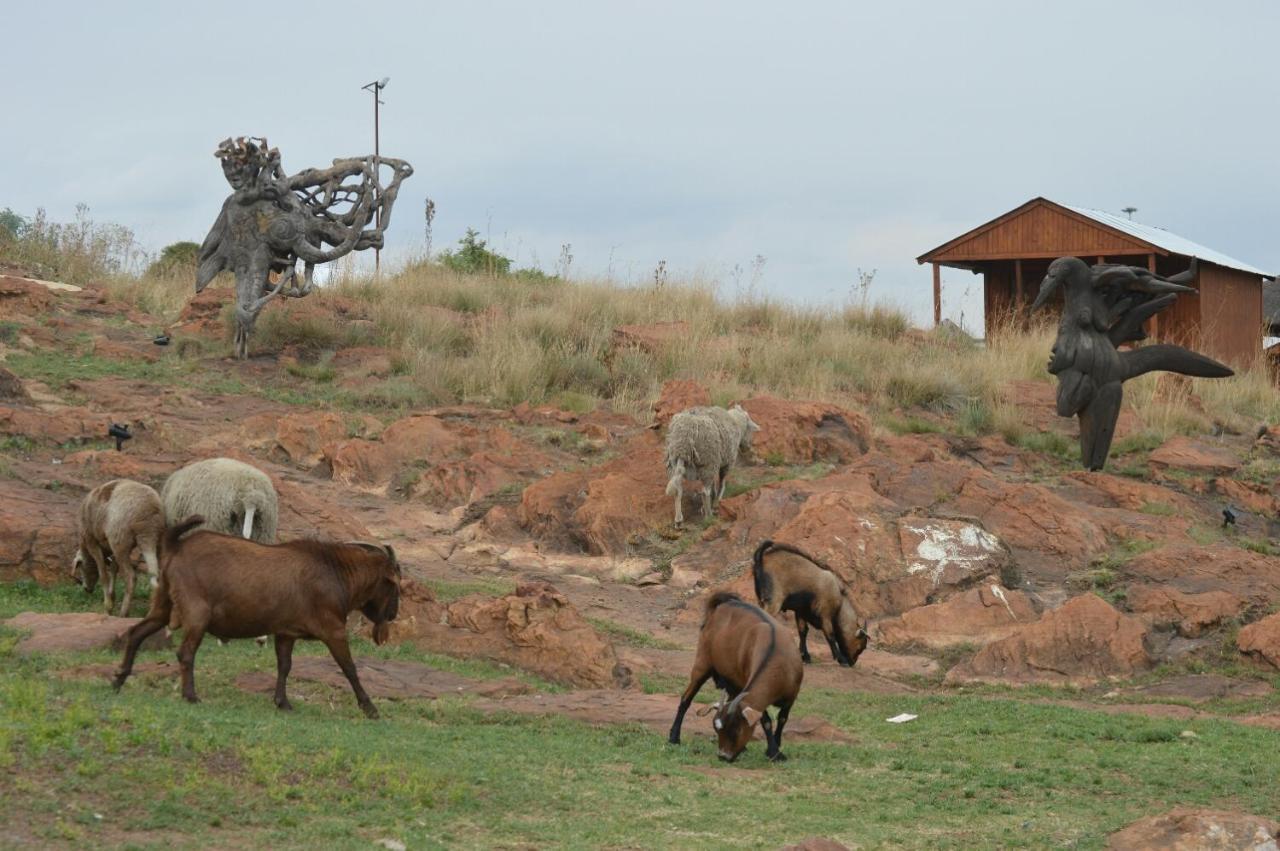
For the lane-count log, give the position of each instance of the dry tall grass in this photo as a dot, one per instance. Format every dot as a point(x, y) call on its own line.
point(506, 339)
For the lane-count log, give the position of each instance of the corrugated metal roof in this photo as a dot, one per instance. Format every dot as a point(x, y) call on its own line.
point(1168, 241)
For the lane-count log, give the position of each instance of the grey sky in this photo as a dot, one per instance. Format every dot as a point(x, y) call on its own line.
point(824, 136)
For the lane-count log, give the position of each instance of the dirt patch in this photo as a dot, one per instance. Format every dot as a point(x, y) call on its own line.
point(384, 678)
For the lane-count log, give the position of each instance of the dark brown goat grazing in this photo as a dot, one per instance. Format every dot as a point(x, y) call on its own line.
point(743, 650)
point(232, 587)
point(792, 581)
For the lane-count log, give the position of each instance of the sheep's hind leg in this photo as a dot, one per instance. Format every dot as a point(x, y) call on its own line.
point(679, 500)
point(708, 511)
point(284, 662)
point(724, 482)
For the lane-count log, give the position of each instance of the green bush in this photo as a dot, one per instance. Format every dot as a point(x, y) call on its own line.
point(175, 257)
point(473, 255)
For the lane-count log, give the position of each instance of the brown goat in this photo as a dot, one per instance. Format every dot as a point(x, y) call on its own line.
point(231, 587)
point(793, 581)
point(741, 648)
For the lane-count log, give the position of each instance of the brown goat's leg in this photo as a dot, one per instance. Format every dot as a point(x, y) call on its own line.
point(833, 640)
point(187, 660)
point(803, 629)
point(284, 661)
point(784, 711)
point(771, 739)
point(696, 681)
point(341, 652)
point(139, 633)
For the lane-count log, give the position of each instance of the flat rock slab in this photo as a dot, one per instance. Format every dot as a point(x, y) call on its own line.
point(388, 679)
point(1204, 687)
point(1186, 828)
point(72, 631)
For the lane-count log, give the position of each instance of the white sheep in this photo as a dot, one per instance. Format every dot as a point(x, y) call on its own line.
point(232, 497)
point(702, 444)
point(114, 518)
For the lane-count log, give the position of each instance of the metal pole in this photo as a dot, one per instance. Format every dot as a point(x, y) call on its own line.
point(377, 170)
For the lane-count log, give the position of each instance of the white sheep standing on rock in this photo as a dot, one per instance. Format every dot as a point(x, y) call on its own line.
point(114, 518)
point(232, 497)
point(702, 444)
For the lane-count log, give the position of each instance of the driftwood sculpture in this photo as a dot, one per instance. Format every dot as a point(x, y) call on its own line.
point(271, 221)
point(1105, 306)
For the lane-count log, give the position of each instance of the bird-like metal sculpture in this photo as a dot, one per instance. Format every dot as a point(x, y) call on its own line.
point(271, 221)
point(1105, 306)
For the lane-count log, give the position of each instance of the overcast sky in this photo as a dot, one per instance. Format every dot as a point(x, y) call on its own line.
point(822, 136)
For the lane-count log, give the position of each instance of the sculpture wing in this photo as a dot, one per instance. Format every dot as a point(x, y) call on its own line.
point(213, 257)
point(1132, 295)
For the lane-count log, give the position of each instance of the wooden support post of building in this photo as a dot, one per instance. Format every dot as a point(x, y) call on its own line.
point(1017, 282)
point(937, 295)
point(1154, 331)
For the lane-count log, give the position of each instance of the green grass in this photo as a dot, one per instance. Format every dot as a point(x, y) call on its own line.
point(625, 635)
point(975, 770)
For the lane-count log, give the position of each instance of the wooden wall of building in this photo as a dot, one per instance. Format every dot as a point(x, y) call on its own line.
point(1230, 315)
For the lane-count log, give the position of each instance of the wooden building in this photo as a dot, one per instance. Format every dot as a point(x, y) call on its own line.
point(1013, 252)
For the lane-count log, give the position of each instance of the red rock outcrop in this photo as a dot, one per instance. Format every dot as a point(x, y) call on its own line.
point(536, 628)
point(676, 396)
point(302, 438)
point(1190, 614)
point(1195, 829)
point(1261, 640)
point(599, 510)
point(1194, 569)
point(1083, 641)
point(977, 616)
point(37, 533)
point(651, 337)
point(1195, 456)
point(11, 389)
point(805, 432)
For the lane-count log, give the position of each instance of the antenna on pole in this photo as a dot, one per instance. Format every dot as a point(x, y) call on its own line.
point(375, 88)
point(1129, 211)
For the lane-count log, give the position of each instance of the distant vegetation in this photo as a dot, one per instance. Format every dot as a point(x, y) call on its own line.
point(463, 326)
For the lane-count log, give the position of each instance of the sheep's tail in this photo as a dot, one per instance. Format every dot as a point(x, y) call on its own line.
point(173, 534)
point(761, 579)
point(248, 520)
point(677, 476)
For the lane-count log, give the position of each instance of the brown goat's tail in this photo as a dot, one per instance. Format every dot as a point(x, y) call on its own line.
point(174, 533)
point(764, 589)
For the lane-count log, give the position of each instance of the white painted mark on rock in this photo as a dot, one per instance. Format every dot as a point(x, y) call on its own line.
point(940, 547)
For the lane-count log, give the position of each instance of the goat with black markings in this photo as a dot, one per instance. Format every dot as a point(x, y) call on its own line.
point(793, 581)
point(742, 649)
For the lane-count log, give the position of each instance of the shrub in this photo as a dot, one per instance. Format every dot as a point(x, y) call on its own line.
point(474, 256)
point(175, 257)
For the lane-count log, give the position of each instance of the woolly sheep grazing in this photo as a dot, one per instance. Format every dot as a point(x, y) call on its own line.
point(232, 497)
point(793, 581)
point(114, 518)
point(702, 444)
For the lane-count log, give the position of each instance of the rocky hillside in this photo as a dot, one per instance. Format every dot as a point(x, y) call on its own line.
point(977, 557)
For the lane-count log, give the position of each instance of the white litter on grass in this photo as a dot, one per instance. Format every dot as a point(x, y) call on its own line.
point(902, 719)
point(391, 844)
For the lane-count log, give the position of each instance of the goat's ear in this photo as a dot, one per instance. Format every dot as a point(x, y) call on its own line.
point(751, 715)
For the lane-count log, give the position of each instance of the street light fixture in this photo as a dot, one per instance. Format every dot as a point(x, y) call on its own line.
point(375, 88)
